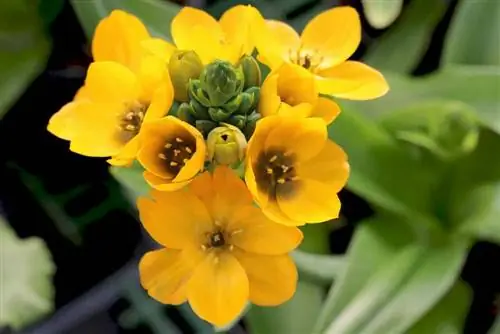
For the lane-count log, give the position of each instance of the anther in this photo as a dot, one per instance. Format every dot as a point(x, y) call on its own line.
point(173, 163)
point(203, 247)
point(162, 156)
point(129, 116)
point(269, 170)
point(188, 150)
point(168, 145)
point(177, 139)
point(273, 158)
point(130, 127)
point(176, 152)
point(236, 231)
point(185, 160)
point(285, 168)
point(281, 180)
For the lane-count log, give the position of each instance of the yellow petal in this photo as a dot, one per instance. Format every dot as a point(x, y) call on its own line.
point(236, 23)
point(263, 128)
point(163, 184)
point(334, 34)
point(296, 85)
point(260, 197)
point(97, 132)
point(164, 275)
point(203, 188)
point(127, 154)
point(326, 108)
point(231, 188)
point(255, 233)
point(161, 102)
point(352, 80)
point(275, 41)
point(273, 279)
point(174, 219)
point(301, 110)
point(193, 29)
point(64, 123)
point(109, 82)
point(197, 161)
point(158, 47)
point(329, 166)
point(218, 290)
point(303, 138)
point(274, 212)
point(118, 37)
point(269, 101)
point(313, 202)
point(153, 73)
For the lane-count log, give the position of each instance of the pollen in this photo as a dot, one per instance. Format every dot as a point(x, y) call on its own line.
point(308, 59)
point(131, 120)
point(275, 173)
point(176, 152)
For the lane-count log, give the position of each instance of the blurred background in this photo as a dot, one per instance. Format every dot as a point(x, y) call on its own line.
point(69, 236)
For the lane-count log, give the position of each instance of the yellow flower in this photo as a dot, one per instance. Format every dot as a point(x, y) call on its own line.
point(108, 112)
point(220, 250)
point(171, 151)
point(292, 90)
point(293, 171)
point(326, 43)
point(128, 84)
point(227, 39)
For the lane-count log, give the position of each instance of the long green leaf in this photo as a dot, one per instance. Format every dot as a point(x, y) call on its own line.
point(24, 52)
point(382, 13)
point(403, 46)
point(372, 154)
point(474, 35)
point(373, 298)
point(496, 327)
point(477, 86)
point(155, 14)
point(448, 316)
point(318, 267)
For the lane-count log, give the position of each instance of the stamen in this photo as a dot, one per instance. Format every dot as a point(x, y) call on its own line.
point(130, 127)
point(173, 163)
point(179, 140)
point(285, 168)
point(269, 170)
point(185, 161)
point(273, 158)
point(176, 152)
point(281, 180)
point(236, 231)
point(162, 156)
point(168, 145)
point(188, 150)
point(129, 116)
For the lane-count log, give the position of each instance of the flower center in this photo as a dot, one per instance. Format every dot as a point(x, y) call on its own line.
point(274, 173)
point(216, 239)
point(131, 120)
point(177, 152)
point(310, 60)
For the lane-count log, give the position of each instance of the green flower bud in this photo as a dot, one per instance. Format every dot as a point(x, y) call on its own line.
point(183, 66)
point(185, 113)
point(198, 110)
point(251, 71)
point(234, 104)
point(250, 124)
point(205, 126)
point(196, 93)
point(221, 81)
point(255, 92)
point(218, 114)
point(238, 120)
point(226, 145)
point(246, 104)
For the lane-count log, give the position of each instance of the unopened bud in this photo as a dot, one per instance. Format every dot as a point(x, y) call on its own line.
point(251, 71)
point(221, 81)
point(226, 145)
point(183, 66)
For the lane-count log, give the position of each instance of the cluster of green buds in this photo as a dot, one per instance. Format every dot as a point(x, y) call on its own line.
point(217, 93)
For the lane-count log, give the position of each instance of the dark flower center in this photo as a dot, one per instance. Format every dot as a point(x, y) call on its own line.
point(131, 121)
point(216, 239)
point(176, 153)
point(274, 173)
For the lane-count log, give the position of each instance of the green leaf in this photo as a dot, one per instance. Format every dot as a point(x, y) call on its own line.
point(451, 83)
point(496, 327)
point(475, 191)
point(474, 34)
point(24, 52)
point(402, 47)
point(372, 152)
point(49, 9)
point(318, 268)
point(132, 180)
point(155, 14)
point(25, 279)
point(294, 317)
point(448, 316)
point(382, 13)
point(385, 274)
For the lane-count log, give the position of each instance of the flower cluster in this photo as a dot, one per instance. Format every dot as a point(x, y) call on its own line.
point(198, 117)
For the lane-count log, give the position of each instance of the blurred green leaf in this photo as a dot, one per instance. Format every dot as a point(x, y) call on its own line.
point(475, 190)
point(372, 157)
point(477, 86)
point(49, 9)
point(448, 316)
point(318, 267)
point(474, 34)
point(24, 52)
point(496, 327)
point(132, 180)
point(385, 273)
point(382, 13)
point(26, 271)
point(402, 47)
point(155, 14)
point(448, 129)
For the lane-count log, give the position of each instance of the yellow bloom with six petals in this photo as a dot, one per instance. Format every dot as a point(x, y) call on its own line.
point(227, 39)
point(172, 152)
point(294, 172)
point(220, 250)
point(323, 48)
point(292, 90)
point(108, 112)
